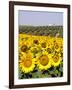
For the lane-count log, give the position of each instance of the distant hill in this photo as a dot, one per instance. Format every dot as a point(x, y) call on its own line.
point(42, 30)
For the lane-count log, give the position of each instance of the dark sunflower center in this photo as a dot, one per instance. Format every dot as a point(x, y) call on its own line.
point(27, 63)
point(44, 60)
point(36, 41)
point(43, 45)
point(24, 48)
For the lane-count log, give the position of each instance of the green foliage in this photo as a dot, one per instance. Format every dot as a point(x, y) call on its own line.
point(51, 72)
point(42, 30)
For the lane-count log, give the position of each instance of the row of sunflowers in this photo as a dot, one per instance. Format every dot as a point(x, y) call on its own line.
point(39, 53)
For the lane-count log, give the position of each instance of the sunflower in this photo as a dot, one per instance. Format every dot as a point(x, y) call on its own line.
point(49, 50)
point(58, 42)
point(43, 61)
point(56, 59)
point(35, 49)
point(23, 48)
point(27, 63)
point(25, 39)
point(43, 43)
point(25, 45)
point(35, 41)
point(56, 46)
point(50, 42)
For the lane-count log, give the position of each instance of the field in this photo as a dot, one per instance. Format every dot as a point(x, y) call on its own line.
point(40, 51)
point(42, 30)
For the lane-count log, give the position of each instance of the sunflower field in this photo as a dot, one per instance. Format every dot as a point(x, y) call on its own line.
point(40, 56)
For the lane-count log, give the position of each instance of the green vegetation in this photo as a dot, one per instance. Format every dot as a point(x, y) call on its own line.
point(42, 30)
point(51, 72)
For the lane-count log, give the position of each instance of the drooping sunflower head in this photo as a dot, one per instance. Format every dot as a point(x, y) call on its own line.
point(26, 63)
point(43, 61)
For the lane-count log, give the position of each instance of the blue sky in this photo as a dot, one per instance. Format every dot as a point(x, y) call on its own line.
point(36, 18)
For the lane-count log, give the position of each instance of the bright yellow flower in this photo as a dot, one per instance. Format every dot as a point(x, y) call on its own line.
point(25, 39)
point(43, 61)
point(43, 43)
point(27, 63)
point(56, 59)
point(35, 49)
point(40, 50)
point(58, 43)
point(50, 42)
point(49, 50)
point(35, 40)
point(23, 48)
point(56, 46)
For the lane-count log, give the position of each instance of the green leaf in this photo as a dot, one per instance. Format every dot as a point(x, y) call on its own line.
point(56, 71)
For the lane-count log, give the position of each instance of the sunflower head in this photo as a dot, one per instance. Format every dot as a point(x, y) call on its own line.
point(58, 43)
point(50, 43)
point(43, 61)
point(49, 50)
point(26, 63)
point(36, 41)
point(43, 45)
point(56, 59)
point(56, 46)
point(24, 48)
